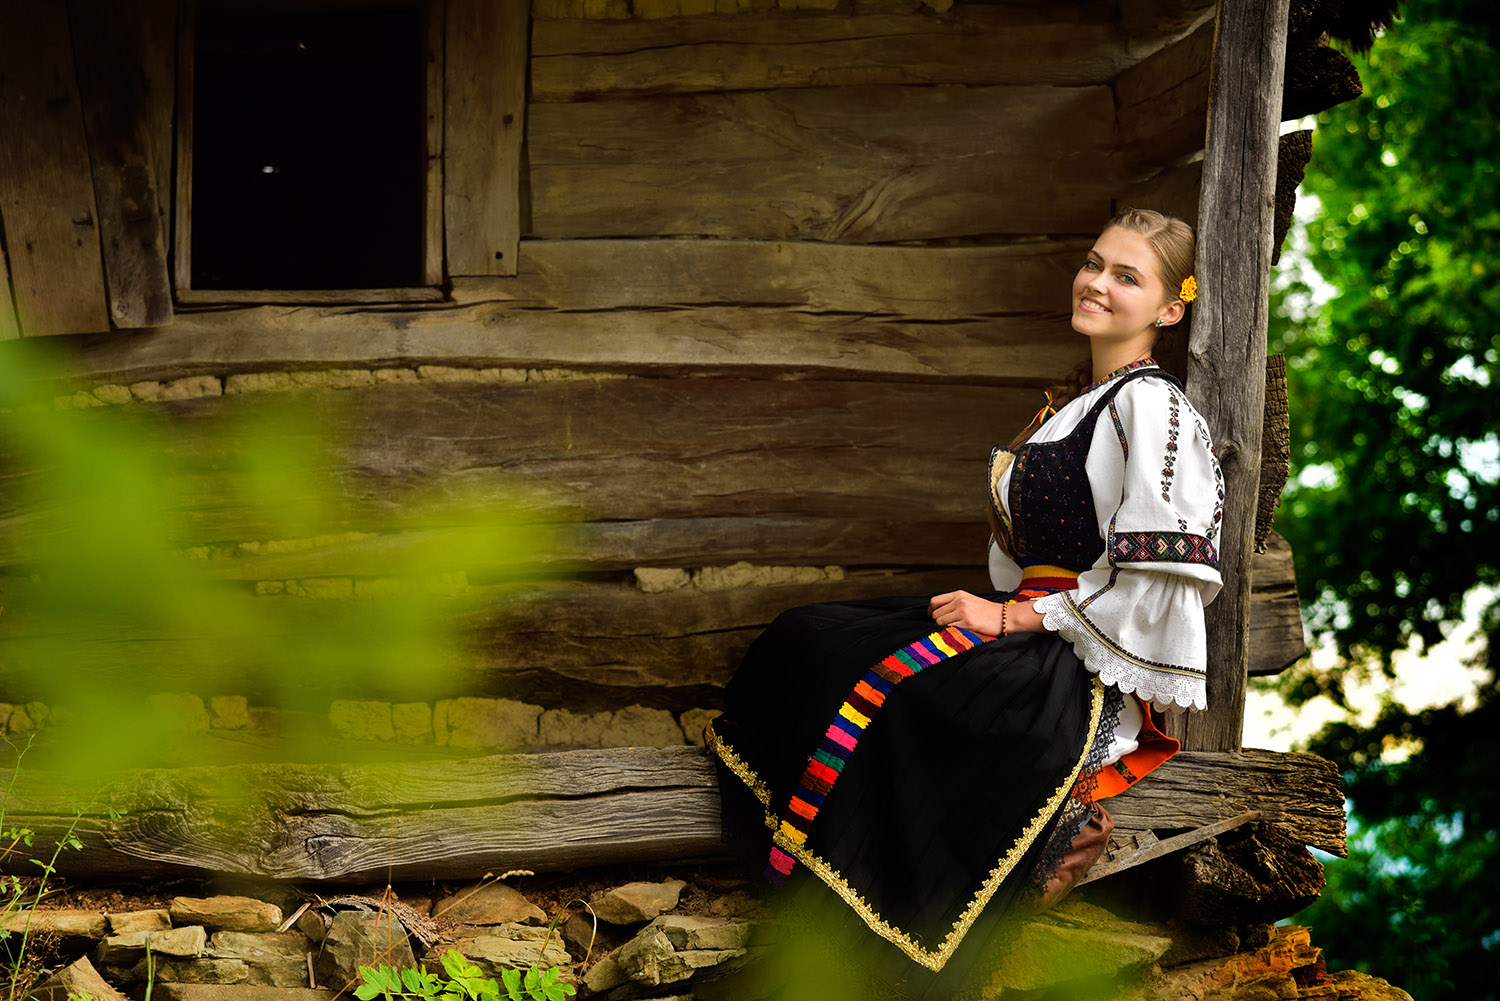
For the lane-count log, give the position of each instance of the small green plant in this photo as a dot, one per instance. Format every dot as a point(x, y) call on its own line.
point(463, 981)
point(20, 896)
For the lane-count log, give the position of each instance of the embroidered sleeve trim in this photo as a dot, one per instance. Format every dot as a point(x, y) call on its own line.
point(1162, 547)
point(932, 959)
point(1166, 686)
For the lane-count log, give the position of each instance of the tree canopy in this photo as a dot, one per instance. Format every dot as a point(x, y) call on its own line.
point(1394, 509)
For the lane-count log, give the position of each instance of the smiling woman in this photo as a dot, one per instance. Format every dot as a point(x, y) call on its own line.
point(929, 765)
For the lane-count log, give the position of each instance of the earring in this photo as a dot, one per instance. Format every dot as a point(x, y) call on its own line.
point(1160, 322)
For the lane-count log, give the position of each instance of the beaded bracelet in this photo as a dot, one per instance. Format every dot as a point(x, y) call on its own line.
point(1002, 620)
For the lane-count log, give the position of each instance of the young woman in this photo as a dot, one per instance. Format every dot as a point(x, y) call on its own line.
point(923, 765)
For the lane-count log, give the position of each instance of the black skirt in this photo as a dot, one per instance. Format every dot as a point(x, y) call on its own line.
point(960, 784)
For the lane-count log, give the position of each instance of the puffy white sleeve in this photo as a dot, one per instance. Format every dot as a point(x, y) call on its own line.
point(1136, 618)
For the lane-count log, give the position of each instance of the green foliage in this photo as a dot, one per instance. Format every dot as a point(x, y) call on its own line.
point(1414, 902)
point(1394, 513)
point(21, 895)
point(131, 559)
point(461, 981)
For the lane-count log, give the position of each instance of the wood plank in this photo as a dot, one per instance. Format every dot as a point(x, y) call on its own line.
point(46, 189)
point(112, 86)
point(915, 283)
point(484, 120)
point(10, 327)
point(156, 32)
point(1163, 102)
point(627, 449)
point(1175, 190)
point(1227, 345)
point(1147, 847)
point(968, 44)
point(182, 194)
point(1025, 350)
point(433, 46)
point(842, 164)
point(1276, 637)
point(320, 297)
point(546, 812)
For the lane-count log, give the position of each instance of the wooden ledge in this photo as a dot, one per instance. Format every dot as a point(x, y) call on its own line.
point(545, 812)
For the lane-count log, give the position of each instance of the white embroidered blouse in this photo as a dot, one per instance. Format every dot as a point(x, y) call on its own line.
point(1136, 617)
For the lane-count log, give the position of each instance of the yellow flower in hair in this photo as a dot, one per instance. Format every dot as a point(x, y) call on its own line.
point(1189, 290)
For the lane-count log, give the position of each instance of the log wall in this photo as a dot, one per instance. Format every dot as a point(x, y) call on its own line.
point(782, 277)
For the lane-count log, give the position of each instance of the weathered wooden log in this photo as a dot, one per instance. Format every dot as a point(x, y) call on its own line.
point(902, 283)
point(51, 227)
point(1163, 102)
point(846, 164)
point(726, 341)
point(546, 812)
point(1260, 876)
point(1227, 345)
point(967, 45)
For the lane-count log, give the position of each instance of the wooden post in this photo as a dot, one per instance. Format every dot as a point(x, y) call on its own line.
point(1227, 347)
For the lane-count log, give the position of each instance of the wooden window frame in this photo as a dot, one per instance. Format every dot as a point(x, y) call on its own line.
point(430, 289)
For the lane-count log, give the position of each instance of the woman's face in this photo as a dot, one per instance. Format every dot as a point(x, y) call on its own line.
point(1118, 292)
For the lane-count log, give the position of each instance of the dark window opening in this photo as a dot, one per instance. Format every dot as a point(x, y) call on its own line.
point(307, 160)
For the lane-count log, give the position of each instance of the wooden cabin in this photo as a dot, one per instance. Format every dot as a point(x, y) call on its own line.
point(751, 285)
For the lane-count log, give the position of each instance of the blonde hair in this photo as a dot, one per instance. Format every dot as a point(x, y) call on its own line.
point(1171, 240)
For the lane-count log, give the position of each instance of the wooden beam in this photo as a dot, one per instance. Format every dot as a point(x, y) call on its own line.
point(112, 84)
point(1163, 103)
point(547, 812)
point(913, 283)
point(727, 342)
point(484, 120)
point(1145, 846)
point(46, 188)
point(1227, 346)
point(966, 45)
point(433, 61)
point(839, 164)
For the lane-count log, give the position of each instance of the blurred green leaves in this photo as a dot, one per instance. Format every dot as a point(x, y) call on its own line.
point(231, 546)
point(1394, 511)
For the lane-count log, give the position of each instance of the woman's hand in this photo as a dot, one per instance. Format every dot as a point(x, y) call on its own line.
point(969, 611)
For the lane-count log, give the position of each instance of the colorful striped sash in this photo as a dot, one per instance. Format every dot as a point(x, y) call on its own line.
point(828, 759)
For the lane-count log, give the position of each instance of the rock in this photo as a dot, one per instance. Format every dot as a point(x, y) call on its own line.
point(635, 902)
point(1264, 973)
point(156, 919)
point(510, 946)
point(649, 958)
point(605, 974)
point(704, 933)
point(639, 726)
point(693, 721)
point(1351, 985)
point(361, 938)
point(1075, 941)
point(412, 722)
point(127, 948)
point(362, 720)
point(490, 903)
point(78, 978)
point(70, 923)
point(565, 728)
point(236, 992)
point(1191, 942)
point(485, 724)
point(225, 913)
point(196, 971)
point(582, 937)
point(178, 712)
point(275, 958)
point(655, 580)
point(312, 924)
point(229, 712)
